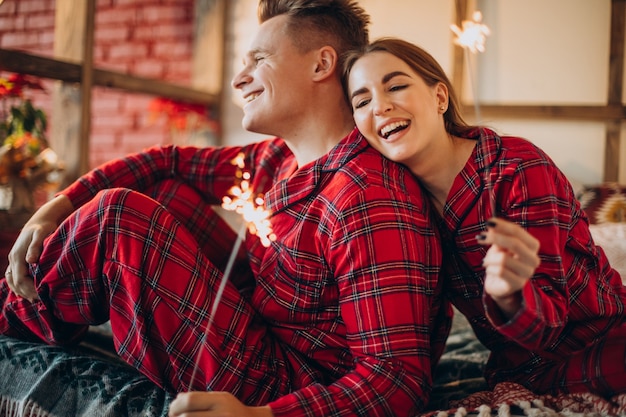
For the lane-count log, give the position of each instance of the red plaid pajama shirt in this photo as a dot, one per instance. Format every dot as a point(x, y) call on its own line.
point(341, 315)
point(570, 334)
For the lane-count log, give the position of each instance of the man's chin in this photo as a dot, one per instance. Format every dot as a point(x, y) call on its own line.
point(255, 127)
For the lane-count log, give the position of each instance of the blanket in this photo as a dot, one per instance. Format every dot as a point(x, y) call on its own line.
point(90, 380)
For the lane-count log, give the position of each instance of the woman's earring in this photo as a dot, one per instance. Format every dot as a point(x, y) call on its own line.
point(443, 109)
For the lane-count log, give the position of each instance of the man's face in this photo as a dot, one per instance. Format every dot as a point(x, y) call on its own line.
point(274, 81)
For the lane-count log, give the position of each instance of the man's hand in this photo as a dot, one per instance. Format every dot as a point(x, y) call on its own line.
point(213, 404)
point(509, 263)
point(29, 245)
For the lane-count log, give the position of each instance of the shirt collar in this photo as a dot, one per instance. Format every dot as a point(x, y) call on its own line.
point(306, 179)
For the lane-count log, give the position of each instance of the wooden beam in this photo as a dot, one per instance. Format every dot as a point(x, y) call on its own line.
point(86, 84)
point(17, 61)
point(459, 55)
point(66, 136)
point(616, 85)
point(611, 151)
point(616, 57)
point(589, 113)
point(208, 57)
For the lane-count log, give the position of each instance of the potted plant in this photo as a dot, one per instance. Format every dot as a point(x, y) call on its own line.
point(26, 161)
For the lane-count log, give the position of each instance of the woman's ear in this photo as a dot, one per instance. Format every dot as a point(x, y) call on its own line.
point(325, 64)
point(441, 92)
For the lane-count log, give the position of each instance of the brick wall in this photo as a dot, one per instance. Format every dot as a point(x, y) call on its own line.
point(148, 38)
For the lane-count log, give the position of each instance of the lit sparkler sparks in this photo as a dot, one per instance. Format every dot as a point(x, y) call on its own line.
point(251, 207)
point(473, 34)
point(472, 39)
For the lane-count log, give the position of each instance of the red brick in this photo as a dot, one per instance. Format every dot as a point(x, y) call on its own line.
point(113, 122)
point(137, 3)
point(136, 102)
point(20, 22)
point(106, 105)
point(160, 14)
point(169, 50)
point(127, 50)
point(148, 68)
point(40, 21)
point(34, 6)
point(18, 40)
point(116, 15)
point(111, 34)
point(142, 139)
point(9, 23)
point(9, 8)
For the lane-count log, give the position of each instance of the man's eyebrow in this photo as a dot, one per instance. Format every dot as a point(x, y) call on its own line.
point(386, 78)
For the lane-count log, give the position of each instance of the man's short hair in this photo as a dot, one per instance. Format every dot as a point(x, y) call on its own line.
point(342, 24)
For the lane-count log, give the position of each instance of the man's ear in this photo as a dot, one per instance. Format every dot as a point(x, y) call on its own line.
point(325, 64)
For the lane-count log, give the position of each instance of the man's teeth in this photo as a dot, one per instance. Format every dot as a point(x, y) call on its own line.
point(390, 128)
point(251, 97)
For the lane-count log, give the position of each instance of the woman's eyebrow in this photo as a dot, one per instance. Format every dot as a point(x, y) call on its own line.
point(386, 78)
point(393, 74)
point(359, 91)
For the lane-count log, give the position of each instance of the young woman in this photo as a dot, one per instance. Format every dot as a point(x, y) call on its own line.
point(519, 260)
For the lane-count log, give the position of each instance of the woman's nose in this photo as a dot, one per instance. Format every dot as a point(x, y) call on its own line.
point(381, 105)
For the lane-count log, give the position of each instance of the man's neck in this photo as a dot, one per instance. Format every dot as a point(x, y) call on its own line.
point(310, 146)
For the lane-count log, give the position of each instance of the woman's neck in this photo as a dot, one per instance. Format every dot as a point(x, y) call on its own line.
point(450, 161)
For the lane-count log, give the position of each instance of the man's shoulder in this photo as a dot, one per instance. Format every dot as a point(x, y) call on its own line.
point(371, 175)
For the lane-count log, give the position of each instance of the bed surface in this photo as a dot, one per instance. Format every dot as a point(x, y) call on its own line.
point(89, 380)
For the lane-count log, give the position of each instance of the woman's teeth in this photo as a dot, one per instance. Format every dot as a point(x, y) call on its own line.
point(386, 131)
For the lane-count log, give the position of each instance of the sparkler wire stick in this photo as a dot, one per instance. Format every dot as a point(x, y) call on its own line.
point(473, 83)
point(472, 39)
point(218, 297)
point(255, 219)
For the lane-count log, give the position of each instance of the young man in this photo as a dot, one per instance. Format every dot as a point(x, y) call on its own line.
point(340, 315)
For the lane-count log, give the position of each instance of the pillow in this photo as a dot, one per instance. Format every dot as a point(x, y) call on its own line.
point(604, 203)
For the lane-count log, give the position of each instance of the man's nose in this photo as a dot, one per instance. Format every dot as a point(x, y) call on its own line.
point(241, 79)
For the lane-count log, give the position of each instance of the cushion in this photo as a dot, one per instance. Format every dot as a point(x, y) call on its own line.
point(604, 203)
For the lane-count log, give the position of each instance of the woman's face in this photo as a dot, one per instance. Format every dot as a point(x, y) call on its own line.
point(399, 115)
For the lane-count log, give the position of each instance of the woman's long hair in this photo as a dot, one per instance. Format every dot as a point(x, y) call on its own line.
point(424, 65)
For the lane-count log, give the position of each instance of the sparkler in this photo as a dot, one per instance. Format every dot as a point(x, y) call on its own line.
point(251, 207)
point(472, 38)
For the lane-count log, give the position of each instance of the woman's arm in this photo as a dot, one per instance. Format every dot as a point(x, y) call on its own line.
point(29, 244)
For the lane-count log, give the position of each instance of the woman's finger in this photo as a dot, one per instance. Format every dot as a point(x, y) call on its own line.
point(508, 228)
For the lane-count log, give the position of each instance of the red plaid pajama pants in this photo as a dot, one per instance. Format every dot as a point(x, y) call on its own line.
point(152, 269)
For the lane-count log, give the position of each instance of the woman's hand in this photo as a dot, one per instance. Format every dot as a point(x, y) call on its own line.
point(29, 245)
point(213, 404)
point(509, 263)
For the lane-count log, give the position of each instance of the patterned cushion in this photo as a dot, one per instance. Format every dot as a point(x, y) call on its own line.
point(604, 203)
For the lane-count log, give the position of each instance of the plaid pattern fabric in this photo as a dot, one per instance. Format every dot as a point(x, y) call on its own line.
point(341, 312)
point(575, 297)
